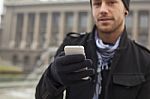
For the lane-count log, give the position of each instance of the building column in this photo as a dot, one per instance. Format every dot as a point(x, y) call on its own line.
point(25, 28)
point(48, 30)
point(12, 41)
point(61, 28)
point(149, 32)
point(89, 25)
point(135, 25)
point(36, 31)
point(75, 22)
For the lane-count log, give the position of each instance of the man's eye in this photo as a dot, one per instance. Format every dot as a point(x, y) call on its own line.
point(96, 3)
point(111, 2)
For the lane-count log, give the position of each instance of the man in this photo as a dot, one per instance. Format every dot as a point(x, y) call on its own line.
point(118, 68)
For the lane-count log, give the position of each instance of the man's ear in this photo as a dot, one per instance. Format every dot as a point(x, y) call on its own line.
point(126, 13)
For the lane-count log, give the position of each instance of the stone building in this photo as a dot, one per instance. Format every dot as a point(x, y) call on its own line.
point(30, 27)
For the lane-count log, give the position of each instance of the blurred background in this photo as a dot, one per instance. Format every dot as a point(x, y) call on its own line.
point(32, 30)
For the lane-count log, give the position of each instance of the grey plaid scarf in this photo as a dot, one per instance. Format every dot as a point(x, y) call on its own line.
point(105, 54)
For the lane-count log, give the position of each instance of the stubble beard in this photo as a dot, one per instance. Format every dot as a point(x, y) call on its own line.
point(112, 29)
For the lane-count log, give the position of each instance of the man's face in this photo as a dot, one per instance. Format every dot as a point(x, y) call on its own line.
point(109, 15)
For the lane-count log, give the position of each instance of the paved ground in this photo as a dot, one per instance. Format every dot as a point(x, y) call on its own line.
point(21, 89)
point(17, 90)
point(17, 93)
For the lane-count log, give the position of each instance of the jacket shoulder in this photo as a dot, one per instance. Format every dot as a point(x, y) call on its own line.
point(73, 38)
point(141, 47)
point(76, 35)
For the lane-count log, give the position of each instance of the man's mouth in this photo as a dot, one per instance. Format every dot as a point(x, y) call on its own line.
point(105, 19)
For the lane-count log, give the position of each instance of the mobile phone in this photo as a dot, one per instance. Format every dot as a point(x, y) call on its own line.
point(71, 50)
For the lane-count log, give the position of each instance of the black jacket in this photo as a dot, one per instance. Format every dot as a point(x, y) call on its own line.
point(129, 76)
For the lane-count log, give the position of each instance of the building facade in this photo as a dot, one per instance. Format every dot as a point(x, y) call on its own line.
point(31, 27)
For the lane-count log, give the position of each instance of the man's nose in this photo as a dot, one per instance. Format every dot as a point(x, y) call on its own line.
point(103, 8)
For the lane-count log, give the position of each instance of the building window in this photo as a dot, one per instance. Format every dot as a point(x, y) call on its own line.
point(69, 22)
point(37, 61)
point(82, 26)
point(129, 24)
point(42, 29)
point(26, 61)
point(0, 37)
point(14, 59)
point(55, 28)
point(30, 30)
point(19, 27)
point(143, 27)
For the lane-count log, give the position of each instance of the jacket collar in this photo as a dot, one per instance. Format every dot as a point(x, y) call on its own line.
point(123, 40)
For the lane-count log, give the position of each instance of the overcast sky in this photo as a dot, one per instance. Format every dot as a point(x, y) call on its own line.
point(1, 6)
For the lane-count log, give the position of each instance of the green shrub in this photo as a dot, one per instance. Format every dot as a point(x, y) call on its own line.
point(10, 70)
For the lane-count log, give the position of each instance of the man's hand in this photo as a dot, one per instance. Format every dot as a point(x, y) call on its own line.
point(71, 69)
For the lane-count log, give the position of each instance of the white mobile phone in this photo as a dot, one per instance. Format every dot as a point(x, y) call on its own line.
point(71, 50)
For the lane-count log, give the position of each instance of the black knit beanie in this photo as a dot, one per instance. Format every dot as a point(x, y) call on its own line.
point(125, 2)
